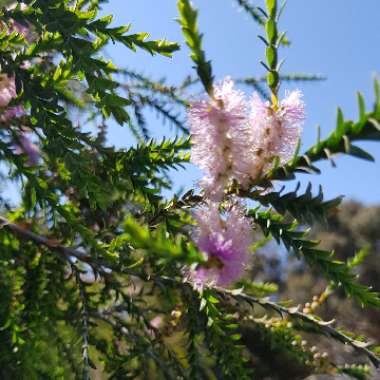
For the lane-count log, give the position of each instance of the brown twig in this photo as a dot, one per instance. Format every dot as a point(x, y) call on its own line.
point(53, 245)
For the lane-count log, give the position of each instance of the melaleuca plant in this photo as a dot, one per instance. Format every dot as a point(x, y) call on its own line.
point(104, 277)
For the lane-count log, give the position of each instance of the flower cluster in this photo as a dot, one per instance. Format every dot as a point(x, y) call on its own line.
point(236, 141)
point(225, 242)
point(275, 130)
point(7, 93)
point(220, 135)
point(7, 83)
point(15, 26)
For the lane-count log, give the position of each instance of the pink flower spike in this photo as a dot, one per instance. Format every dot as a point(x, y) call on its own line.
point(291, 114)
point(19, 28)
point(275, 132)
point(12, 113)
point(7, 93)
point(156, 322)
point(219, 133)
point(225, 241)
point(7, 89)
point(292, 108)
point(230, 144)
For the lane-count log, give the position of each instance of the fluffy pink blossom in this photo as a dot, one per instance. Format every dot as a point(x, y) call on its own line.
point(156, 322)
point(19, 28)
point(7, 93)
point(7, 90)
point(219, 136)
point(275, 131)
point(11, 113)
point(225, 242)
point(7, 83)
point(15, 25)
point(233, 140)
point(27, 147)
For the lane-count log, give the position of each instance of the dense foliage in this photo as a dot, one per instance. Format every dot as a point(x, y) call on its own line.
point(101, 276)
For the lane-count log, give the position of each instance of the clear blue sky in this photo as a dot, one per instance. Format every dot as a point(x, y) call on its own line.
point(338, 38)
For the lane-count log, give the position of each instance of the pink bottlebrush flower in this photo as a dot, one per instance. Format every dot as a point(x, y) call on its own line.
point(291, 113)
point(275, 131)
point(219, 136)
point(228, 144)
point(19, 28)
point(16, 26)
point(225, 241)
point(7, 83)
point(12, 113)
point(156, 322)
point(27, 147)
point(7, 90)
point(7, 93)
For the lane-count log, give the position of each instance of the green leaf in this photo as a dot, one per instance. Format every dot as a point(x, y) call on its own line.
point(340, 125)
point(359, 257)
point(376, 85)
point(272, 79)
point(252, 11)
point(271, 30)
point(271, 7)
point(362, 110)
point(271, 55)
point(360, 153)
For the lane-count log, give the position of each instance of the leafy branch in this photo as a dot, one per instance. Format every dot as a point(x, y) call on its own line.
point(188, 21)
point(305, 207)
point(258, 15)
point(257, 82)
point(336, 271)
point(317, 324)
point(157, 243)
point(167, 153)
point(223, 338)
point(142, 82)
point(290, 77)
point(272, 41)
point(52, 244)
point(145, 347)
point(300, 77)
point(253, 11)
point(257, 85)
point(162, 109)
point(367, 128)
point(144, 241)
point(85, 325)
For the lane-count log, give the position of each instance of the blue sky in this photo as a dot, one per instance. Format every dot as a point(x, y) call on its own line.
point(337, 38)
